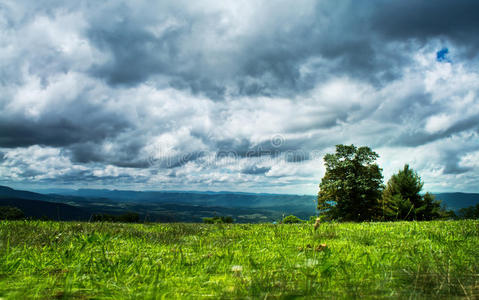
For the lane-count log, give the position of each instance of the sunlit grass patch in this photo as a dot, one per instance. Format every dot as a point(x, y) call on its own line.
point(103, 260)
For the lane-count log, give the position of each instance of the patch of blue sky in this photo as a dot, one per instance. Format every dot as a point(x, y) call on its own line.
point(443, 55)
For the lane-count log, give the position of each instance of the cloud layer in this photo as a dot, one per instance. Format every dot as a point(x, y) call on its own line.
point(235, 96)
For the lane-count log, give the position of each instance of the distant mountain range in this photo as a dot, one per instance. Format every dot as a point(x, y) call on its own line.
point(456, 201)
point(165, 206)
point(177, 206)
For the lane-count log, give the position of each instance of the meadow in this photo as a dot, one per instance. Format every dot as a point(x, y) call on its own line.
point(43, 259)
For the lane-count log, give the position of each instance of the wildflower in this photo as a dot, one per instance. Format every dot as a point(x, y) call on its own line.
point(237, 269)
point(316, 224)
point(321, 247)
point(311, 262)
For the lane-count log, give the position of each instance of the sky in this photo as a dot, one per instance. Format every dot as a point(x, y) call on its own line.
point(235, 95)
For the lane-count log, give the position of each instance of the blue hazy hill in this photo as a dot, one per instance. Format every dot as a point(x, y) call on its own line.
point(184, 206)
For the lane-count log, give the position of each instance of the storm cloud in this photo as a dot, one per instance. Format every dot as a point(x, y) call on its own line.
point(235, 95)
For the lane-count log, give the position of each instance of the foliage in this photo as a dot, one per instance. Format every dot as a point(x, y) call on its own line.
point(291, 220)
point(218, 220)
point(401, 199)
point(129, 217)
point(413, 260)
point(11, 213)
point(352, 185)
point(471, 212)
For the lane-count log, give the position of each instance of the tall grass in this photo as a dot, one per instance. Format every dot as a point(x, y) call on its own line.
point(151, 261)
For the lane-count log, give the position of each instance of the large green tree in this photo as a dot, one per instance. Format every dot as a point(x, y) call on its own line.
point(352, 185)
point(401, 199)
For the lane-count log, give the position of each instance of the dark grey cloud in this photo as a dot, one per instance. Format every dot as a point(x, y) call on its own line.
point(126, 155)
point(422, 137)
point(56, 132)
point(169, 161)
point(452, 166)
point(370, 41)
point(134, 53)
point(254, 170)
point(297, 156)
point(423, 20)
point(451, 156)
point(272, 146)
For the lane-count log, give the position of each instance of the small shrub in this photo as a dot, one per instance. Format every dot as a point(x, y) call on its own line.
point(292, 220)
point(125, 218)
point(471, 212)
point(218, 220)
point(11, 213)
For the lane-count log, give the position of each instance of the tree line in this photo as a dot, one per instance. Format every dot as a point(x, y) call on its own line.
point(352, 189)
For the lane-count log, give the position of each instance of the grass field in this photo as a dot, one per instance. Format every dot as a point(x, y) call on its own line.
point(437, 259)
